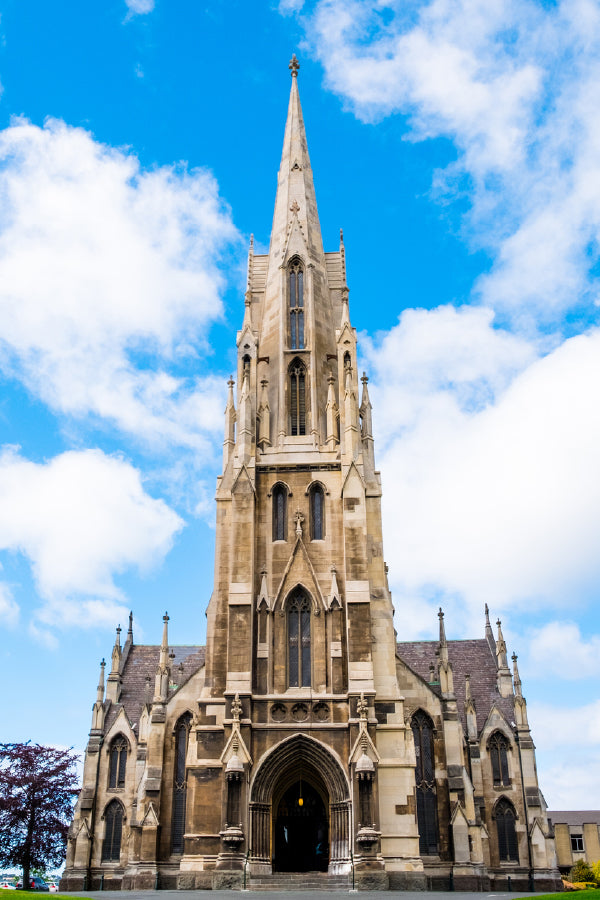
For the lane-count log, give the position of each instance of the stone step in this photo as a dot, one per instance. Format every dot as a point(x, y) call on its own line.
point(299, 881)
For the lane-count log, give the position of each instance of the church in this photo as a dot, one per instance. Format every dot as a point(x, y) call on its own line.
point(304, 745)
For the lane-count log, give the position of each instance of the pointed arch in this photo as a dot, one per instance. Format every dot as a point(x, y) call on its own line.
point(505, 815)
point(117, 761)
point(279, 494)
point(498, 747)
point(181, 733)
point(316, 499)
point(298, 617)
point(423, 731)
point(296, 303)
point(297, 385)
point(114, 815)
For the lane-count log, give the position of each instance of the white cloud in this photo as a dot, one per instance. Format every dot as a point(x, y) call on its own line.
point(567, 784)
point(515, 85)
point(81, 519)
point(560, 648)
point(288, 7)
point(9, 608)
point(488, 456)
point(108, 276)
point(140, 7)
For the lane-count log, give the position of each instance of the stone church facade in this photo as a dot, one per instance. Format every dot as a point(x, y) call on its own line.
point(304, 737)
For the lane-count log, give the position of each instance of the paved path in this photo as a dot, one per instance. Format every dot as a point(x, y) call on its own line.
point(294, 895)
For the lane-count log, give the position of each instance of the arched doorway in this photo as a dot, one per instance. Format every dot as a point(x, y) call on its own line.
point(301, 826)
point(322, 819)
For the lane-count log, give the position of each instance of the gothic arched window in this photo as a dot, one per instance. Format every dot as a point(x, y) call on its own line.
point(111, 845)
point(117, 762)
point(507, 833)
point(297, 398)
point(498, 750)
point(317, 513)
point(296, 289)
point(182, 731)
point(279, 512)
point(422, 729)
point(298, 622)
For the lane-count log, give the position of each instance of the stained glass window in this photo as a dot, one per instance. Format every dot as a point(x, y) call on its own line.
point(317, 513)
point(507, 832)
point(111, 845)
point(422, 729)
point(118, 763)
point(279, 512)
point(498, 748)
point(299, 640)
point(182, 730)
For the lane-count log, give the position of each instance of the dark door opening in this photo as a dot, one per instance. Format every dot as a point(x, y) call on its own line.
point(301, 831)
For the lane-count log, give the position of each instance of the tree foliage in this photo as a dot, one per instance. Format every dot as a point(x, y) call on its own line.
point(38, 786)
point(581, 872)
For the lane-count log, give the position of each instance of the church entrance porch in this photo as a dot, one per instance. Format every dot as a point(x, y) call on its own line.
point(301, 831)
point(287, 835)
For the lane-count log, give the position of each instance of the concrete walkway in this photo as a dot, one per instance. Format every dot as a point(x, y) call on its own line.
point(294, 895)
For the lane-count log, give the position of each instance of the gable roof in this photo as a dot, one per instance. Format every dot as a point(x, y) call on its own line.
point(469, 657)
point(142, 662)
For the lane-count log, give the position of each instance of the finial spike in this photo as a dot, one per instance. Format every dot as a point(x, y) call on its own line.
point(294, 66)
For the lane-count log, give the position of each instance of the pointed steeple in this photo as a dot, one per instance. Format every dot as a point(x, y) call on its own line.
point(505, 685)
point(517, 678)
point(100, 689)
point(489, 634)
point(161, 678)
point(245, 418)
point(295, 186)
point(113, 686)
point(230, 417)
point(520, 702)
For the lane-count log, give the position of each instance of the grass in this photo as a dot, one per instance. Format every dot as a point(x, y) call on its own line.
point(591, 894)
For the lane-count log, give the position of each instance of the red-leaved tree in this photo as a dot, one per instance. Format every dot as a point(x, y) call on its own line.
point(38, 786)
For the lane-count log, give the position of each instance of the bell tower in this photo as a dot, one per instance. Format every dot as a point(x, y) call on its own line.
point(300, 622)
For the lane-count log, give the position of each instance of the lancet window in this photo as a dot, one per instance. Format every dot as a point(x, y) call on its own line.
point(182, 731)
point(298, 622)
point(279, 512)
point(113, 819)
point(507, 833)
point(317, 513)
point(117, 762)
point(422, 729)
point(297, 398)
point(296, 305)
point(498, 750)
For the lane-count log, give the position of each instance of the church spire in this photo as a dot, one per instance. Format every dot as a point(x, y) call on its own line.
point(295, 186)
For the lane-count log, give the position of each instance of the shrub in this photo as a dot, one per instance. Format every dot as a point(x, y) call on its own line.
point(581, 871)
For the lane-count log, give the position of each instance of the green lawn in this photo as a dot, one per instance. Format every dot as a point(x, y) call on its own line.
point(592, 894)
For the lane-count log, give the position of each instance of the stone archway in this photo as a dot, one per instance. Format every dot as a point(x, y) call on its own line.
point(276, 779)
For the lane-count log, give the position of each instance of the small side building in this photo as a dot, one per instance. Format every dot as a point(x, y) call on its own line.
point(577, 836)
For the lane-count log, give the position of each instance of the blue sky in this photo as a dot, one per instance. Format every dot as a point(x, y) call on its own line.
point(458, 146)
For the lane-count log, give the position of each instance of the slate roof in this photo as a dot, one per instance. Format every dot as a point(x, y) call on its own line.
point(574, 818)
point(141, 662)
point(470, 657)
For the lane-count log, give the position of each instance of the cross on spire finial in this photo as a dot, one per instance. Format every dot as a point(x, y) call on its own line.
point(294, 66)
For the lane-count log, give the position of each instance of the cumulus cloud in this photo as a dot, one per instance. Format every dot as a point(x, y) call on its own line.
point(568, 784)
point(515, 85)
point(560, 648)
point(486, 453)
point(109, 277)
point(81, 519)
point(139, 7)
point(9, 608)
